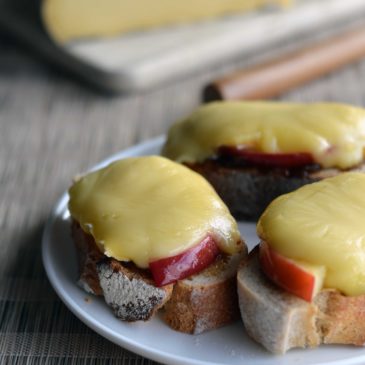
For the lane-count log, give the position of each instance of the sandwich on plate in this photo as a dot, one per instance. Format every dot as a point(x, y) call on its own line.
point(304, 285)
point(252, 152)
point(151, 234)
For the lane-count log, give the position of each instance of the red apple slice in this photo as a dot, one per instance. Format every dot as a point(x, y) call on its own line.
point(301, 279)
point(192, 261)
point(257, 158)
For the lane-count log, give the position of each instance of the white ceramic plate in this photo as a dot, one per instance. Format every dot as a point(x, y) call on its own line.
point(155, 340)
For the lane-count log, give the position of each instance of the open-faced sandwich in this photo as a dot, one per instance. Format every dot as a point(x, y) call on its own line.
point(252, 152)
point(151, 234)
point(304, 285)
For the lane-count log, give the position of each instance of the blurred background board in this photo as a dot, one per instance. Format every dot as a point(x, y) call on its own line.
point(142, 60)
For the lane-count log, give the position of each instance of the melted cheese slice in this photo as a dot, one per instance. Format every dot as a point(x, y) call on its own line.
point(322, 224)
point(333, 133)
point(146, 208)
point(69, 19)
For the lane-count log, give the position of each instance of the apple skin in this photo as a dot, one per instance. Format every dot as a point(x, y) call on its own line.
point(304, 281)
point(195, 259)
point(257, 158)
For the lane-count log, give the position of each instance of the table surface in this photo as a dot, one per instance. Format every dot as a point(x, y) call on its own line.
point(52, 128)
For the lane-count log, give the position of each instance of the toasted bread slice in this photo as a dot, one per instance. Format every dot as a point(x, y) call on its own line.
point(281, 321)
point(247, 191)
point(199, 303)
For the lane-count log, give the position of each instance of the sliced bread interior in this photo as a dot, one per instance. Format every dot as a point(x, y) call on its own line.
point(281, 321)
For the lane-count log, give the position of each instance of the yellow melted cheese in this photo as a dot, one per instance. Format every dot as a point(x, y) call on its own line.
point(333, 133)
point(146, 208)
point(322, 224)
point(69, 19)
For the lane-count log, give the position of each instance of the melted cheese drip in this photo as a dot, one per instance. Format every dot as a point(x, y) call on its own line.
point(147, 208)
point(322, 224)
point(333, 133)
point(70, 19)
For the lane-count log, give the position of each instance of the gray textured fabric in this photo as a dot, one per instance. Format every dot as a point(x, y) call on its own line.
point(51, 129)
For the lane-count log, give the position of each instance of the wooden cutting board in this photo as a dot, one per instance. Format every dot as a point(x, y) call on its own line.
point(145, 59)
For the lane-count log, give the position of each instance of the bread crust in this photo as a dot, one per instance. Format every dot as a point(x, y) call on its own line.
point(281, 321)
point(206, 301)
point(341, 319)
point(88, 255)
point(247, 191)
point(202, 302)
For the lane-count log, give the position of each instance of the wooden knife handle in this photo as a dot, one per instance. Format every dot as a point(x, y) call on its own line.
point(276, 77)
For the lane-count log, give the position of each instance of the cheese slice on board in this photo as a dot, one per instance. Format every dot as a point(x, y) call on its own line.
point(71, 19)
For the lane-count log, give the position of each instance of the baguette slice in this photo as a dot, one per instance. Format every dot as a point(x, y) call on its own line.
point(281, 321)
point(196, 304)
point(247, 191)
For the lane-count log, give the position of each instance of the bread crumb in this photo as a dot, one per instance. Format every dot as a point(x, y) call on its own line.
point(87, 300)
